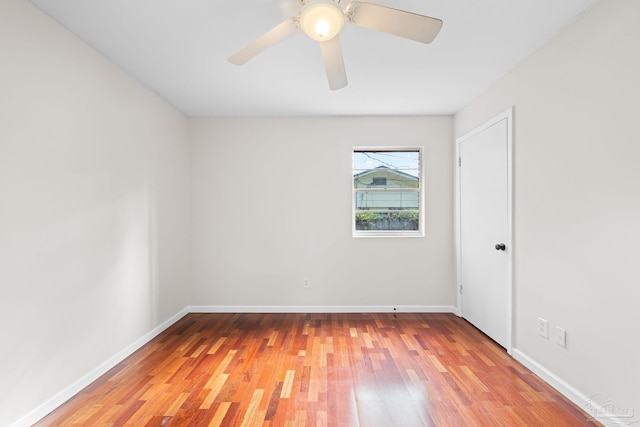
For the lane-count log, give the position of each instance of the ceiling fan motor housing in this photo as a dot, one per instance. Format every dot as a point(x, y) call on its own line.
point(321, 20)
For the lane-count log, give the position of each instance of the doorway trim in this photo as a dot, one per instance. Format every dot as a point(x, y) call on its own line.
point(508, 116)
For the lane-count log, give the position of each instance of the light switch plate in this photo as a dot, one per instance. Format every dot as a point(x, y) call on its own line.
point(561, 337)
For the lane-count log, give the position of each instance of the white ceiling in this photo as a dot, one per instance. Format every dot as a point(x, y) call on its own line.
point(178, 48)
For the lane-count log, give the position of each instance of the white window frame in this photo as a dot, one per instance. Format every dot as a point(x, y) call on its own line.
point(421, 200)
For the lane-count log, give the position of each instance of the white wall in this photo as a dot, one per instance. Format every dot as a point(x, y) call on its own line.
point(577, 198)
point(271, 204)
point(93, 209)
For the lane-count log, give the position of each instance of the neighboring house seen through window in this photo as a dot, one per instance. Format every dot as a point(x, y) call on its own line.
point(387, 192)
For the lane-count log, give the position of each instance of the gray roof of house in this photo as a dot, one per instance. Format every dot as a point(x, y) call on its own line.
point(386, 168)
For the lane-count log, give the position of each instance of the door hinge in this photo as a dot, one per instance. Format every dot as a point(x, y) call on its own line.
point(461, 288)
point(459, 161)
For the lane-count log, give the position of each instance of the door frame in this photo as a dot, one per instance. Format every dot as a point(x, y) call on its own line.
point(508, 116)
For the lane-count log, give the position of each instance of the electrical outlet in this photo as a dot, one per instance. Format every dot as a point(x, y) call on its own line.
point(543, 328)
point(306, 282)
point(561, 337)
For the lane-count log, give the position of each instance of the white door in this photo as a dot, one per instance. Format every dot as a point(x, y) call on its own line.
point(484, 230)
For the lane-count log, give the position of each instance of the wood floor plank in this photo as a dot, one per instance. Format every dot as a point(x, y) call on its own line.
point(339, 369)
point(219, 415)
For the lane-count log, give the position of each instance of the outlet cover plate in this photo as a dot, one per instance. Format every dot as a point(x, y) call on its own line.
point(561, 337)
point(543, 328)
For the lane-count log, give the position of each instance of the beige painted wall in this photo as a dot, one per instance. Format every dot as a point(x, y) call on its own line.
point(271, 204)
point(93, 209)
point(577, 198)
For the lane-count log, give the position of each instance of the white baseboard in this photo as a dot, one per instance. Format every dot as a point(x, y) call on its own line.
point(45, 408)
point(322, 309)
point(552, 379)
point(587, 403)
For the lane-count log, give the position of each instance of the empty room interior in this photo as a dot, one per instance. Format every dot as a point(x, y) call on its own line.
point(154, 185)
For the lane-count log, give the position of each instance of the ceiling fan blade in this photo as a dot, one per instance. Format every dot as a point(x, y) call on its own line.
point(271, 37)
point(334, 63)
point(409, 25)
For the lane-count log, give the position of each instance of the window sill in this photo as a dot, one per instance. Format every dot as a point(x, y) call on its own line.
point(370, 234)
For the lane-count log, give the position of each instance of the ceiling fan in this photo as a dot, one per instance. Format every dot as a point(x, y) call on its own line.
point(322, 20)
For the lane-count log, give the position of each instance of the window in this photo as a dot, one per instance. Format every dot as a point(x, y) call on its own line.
point(387, 192)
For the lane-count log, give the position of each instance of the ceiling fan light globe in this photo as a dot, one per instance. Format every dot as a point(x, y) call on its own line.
point(323, 28)
point(321, 20)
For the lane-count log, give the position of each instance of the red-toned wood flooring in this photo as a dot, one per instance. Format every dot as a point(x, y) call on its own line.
point(382, 369)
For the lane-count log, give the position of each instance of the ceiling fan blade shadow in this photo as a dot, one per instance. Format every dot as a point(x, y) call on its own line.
point(334, 63)
point(271, 37)
point(401, 23)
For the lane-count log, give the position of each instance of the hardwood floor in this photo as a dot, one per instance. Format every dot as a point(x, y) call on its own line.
point(379, 369)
